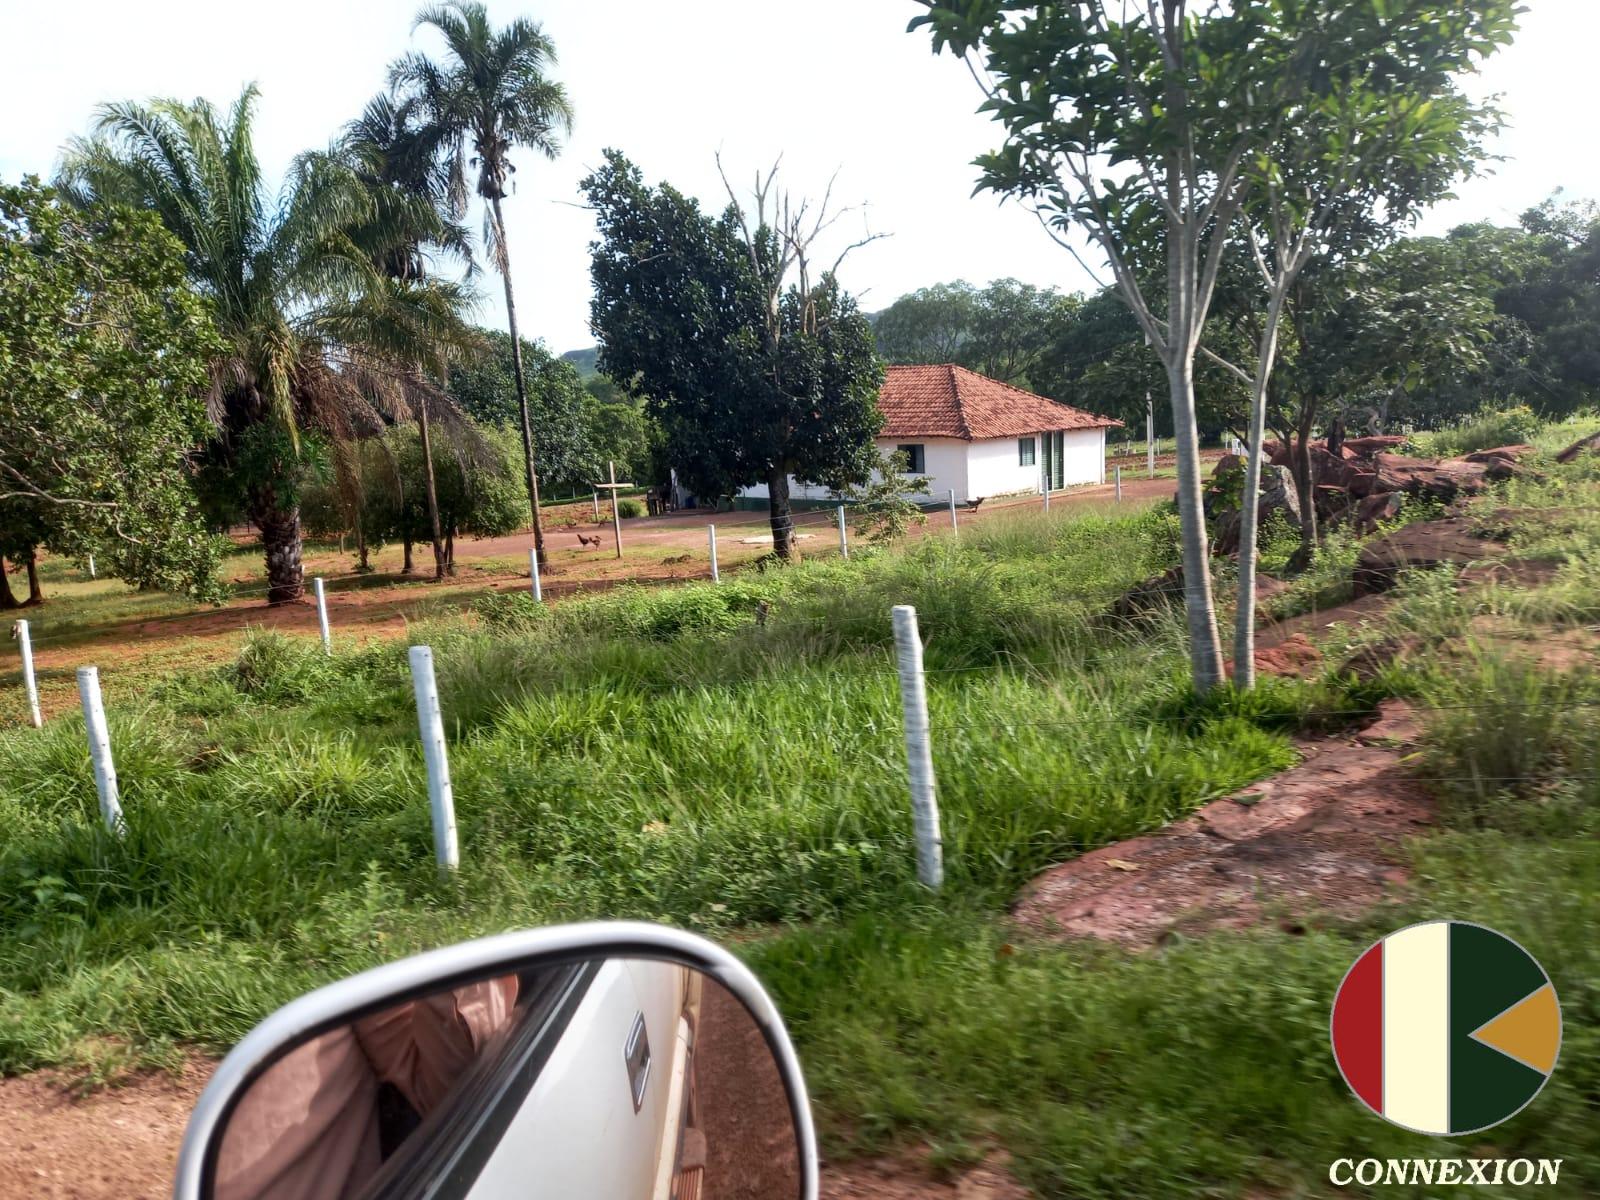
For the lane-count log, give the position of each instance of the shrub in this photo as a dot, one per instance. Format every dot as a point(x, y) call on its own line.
point(629, 507)
point(1487, 429)
point(511, 612)
point(274, 666)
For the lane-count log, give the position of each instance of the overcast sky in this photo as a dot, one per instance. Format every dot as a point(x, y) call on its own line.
point(832, 84)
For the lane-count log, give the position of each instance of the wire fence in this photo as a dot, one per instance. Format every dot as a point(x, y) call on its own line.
point(901, 637)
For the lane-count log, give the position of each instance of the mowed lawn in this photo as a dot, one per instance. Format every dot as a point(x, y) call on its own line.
point(730, 759)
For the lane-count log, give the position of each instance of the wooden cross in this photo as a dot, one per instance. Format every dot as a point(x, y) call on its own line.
point(611, 486)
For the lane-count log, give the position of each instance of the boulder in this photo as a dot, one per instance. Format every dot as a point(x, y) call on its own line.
point(1452, 541)
point(1420, 477)
point(1277, 496)
point(1367, 447)
point(1503, 462)
point(1584, 445)
point(1367, 514)
point(1152, 595)
point(1511, 452)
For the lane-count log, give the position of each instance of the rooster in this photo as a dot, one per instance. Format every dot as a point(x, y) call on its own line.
point(972, 505)
point(589, 541)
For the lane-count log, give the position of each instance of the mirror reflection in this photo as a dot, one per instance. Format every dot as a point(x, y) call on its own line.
point(621, 1079)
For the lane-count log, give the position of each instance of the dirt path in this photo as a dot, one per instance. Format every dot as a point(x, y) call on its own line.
point(121, 1143)
point(117, 1143)
point(658, 550)
point(1325, 835)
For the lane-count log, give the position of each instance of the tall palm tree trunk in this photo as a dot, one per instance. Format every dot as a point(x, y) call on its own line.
point(439, 561)
point(279, 524)
point(522, 386)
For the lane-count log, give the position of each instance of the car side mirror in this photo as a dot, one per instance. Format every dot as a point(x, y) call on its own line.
point(611, 1061)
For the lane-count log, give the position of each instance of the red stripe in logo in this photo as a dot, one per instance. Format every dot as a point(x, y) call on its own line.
point(1358, 1027)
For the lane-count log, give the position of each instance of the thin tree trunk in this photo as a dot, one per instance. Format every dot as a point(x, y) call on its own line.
point(280, 534)
point(361, 546)
point(779, 518)
point(406, 565)
point(433, 495)
point(8, 598)
point(522, 386)
point(1244, 627)
point(1205, 646)
point(1305, 484)
point(35, 592)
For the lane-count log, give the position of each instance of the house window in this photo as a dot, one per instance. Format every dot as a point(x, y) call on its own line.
point(1025, 452)
point(916, 463)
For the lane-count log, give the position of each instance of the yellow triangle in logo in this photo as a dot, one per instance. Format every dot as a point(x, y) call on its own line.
point(1529, 1031)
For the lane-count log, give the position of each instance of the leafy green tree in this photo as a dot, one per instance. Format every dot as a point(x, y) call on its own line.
point(886, 507)
point(1013, 325)
point(929, 325)
point(313, 332)
point(1382, 133)
point(754, 372)
point(479, 492)
point(486, 97)
point(620, 431)
point(104, 353)
point(1149, 128)
point(485, 388)
point(1003, 330)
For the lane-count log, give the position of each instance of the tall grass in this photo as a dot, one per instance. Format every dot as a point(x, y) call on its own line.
point(715, 756)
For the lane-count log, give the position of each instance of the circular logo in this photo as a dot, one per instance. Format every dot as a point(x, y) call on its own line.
point(1446, 1028)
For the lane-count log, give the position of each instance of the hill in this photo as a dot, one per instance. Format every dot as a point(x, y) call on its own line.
point(583, 360)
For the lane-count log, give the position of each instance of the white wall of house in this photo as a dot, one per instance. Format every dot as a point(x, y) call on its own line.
point(994, 468)
point(1085, 456)
point(990, 467)
point(944, 463)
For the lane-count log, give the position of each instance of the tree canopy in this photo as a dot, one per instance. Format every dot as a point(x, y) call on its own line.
point(486, 389)
point(105, 352)
point(753, 378)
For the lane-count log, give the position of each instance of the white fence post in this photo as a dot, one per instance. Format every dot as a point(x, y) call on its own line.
point(441, 800)
point(594, 498)
point(844, 541)
point(1149, 435)
point(1044, 485)
point(92, 575)
point(919, 754)
point(322, 616)
point(105, 770)
point(29, 683)
point(533, 576)
point(954, 528)
point(711, 536)
point(1119, 485)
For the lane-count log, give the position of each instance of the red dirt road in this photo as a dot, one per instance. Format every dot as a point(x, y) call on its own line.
point(121, 1143)
point(658, 550)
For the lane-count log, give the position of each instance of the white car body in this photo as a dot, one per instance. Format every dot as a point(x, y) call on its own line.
point(584, 1097)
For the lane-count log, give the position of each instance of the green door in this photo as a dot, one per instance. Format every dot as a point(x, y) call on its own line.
point(1054, 446)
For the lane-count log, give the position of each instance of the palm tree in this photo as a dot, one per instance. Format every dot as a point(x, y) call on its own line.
point(314, 330)
point(384, 147)
point(487, 96)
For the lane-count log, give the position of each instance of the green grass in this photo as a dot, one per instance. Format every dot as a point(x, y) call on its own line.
point(646, 753)
point(729, 759)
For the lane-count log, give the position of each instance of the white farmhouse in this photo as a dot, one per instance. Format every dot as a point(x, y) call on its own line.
point(978, 436)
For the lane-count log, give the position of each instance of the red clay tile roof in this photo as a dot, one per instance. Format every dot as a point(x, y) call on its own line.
point(951, 401)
